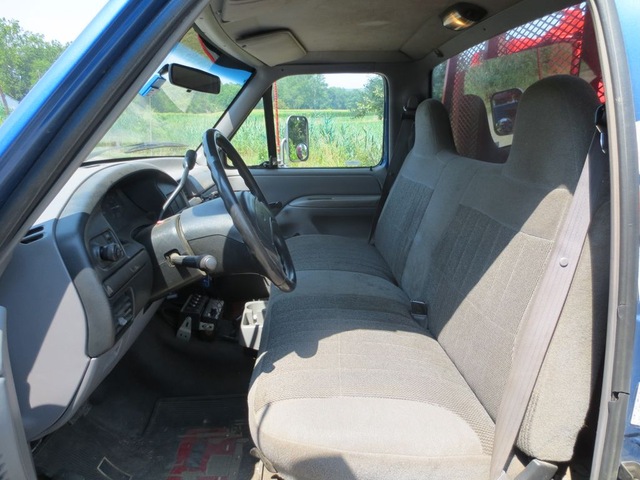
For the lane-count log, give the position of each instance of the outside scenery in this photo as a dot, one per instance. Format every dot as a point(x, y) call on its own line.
point(24, 57)
point(345, 119)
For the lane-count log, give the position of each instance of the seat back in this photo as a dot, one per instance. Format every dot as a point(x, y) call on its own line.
point(415, 184)
point(487, 265)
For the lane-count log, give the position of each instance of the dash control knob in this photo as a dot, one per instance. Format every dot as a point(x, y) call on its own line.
point(111, 252)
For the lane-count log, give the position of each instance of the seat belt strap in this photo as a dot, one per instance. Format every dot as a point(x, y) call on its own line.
point(401, 148)
point(542, 316)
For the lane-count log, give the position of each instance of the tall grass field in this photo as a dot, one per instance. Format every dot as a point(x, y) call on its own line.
point(337, 138)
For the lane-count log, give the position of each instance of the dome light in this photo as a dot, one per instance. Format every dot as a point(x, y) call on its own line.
point(462, 16)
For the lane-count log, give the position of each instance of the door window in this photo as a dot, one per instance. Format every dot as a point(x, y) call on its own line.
point(322, 121)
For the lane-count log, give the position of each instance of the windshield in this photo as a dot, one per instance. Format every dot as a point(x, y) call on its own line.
point(164, 119)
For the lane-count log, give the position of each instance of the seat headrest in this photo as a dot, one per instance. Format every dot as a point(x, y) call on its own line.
point(553, 130)
point(411, 104)
point(433, 129)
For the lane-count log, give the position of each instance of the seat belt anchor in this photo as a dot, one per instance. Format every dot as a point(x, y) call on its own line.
point(419, 311)
point(601, 127)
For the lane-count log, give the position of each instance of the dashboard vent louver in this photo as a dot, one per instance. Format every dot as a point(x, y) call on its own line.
point(33, 235)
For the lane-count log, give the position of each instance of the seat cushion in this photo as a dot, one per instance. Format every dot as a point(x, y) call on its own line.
point(333, 252)
point(319, 288)
point(361, 362)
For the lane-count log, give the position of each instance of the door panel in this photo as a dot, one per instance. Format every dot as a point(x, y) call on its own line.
point(348, 215)
point(340, 201)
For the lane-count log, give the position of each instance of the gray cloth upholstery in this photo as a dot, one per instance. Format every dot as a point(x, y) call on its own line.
point(552, 132)
point(333, 252)
point(340, 385)
point(414, 186)
point(401, 215)
point(348, 385)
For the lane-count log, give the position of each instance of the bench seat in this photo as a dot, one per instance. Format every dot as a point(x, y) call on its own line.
point(348, 384)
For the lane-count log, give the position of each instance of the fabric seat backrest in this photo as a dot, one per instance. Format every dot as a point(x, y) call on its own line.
point(486, 267)
point(415, 184)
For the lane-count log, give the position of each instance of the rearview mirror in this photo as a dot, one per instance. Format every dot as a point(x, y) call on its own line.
point(504, 106)
point(193, 79)
point(297, 136)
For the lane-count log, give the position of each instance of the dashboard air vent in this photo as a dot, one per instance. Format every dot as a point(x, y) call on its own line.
point(33, 235)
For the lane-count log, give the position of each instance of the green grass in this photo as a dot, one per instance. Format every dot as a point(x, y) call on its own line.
point(337, 138)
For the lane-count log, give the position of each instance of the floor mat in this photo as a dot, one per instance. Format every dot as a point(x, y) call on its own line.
point(185, 439)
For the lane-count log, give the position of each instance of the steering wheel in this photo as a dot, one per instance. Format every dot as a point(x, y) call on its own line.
point(250, 212)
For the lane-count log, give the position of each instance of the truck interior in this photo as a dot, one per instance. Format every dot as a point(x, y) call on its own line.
point(318, 290)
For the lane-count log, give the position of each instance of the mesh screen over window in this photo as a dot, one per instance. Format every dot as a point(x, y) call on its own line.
point(560, 43)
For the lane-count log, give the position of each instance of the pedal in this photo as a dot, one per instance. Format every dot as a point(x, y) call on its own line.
point(184, 332)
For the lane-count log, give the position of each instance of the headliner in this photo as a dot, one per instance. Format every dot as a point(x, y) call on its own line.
point(275, 32)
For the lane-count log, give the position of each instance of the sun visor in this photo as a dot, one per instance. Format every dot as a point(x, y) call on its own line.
point(273, 48)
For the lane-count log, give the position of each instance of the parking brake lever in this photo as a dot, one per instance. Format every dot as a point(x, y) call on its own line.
point(187, 165)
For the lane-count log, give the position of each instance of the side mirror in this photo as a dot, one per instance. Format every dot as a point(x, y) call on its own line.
point(504, 106)
point(297, 135)
point(193, 79)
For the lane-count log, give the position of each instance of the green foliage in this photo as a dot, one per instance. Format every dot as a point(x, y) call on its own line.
point(497, 74)
point(339, 140)
point(160, 102)
point(312, 92)
point(251, 139)
point(173, 115)
point(343, 98)
point(303, 91)
point(437, 81)
point(371, 101)
point(336, 139)
point(24, 57)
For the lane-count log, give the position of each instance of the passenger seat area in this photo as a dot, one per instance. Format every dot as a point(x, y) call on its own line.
point(352, 382)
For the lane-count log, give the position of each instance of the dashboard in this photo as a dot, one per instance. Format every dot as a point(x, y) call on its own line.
point(100, 236)
point(80, 286)
point(92, 271)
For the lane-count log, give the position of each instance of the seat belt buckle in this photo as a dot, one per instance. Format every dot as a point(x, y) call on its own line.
point(537, 470)
point(419, 311)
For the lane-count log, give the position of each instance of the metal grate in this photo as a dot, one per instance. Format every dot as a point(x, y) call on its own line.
point(560, 43)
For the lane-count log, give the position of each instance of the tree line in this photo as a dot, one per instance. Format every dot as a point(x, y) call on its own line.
point(300, 92)
point(24, 58)
point(313, 92)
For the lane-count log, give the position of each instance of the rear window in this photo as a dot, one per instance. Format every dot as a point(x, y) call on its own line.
point(494, 73)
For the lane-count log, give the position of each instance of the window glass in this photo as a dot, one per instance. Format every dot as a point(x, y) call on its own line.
point(165, 119)
point(251, 138)
point(32, 37)
point(345, 119)
point(496, 72)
